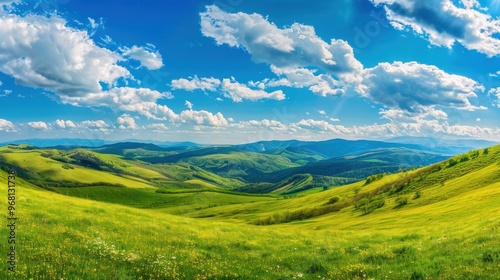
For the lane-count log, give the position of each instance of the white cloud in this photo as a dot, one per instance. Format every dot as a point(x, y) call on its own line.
point(443, 23)
point(321, 126)
point(265, 123)
point(7, 126)
point(412, 86)
point(287, 50)
point(1, 83)
point(469, 4)
point(148, 57)
point(6, 92)
point(39, 125)
point(321, 112)
point(334, 120)
point(205, 84)
point(189, 105)
point(65, 124)
point(157, 127)
point(231, 89)
point(203, 118)
point(302, 77)
point(400, 124)
point(98, 125)
point(43, 52)
point(94, 24)
point(139, 100)
point(496, 93)
point(237, 92)
point(399, 115)
point(125, 122)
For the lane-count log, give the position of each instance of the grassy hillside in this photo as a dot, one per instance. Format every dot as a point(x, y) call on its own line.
point(346, 169)
point(449, 232)
point(82, 167)
point(241, 164)
point(437, 222)
point(455, 177)
point(38, 166)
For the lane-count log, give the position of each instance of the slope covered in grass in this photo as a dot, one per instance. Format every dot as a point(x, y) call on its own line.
point(37, 166)
point(95, 240)
point(241, 164)
point(81, 167)
point(447, 228)
point(462, 175)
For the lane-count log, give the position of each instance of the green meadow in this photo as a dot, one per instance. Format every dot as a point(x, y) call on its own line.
point(162, 222)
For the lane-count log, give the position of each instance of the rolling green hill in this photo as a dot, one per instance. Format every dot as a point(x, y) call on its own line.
point(81, 167)
point(241, 164)
point(345, 169)
point(436, 222)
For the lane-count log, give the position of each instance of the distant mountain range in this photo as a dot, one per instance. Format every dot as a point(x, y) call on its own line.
point(91, 143)
point(260, 167)
point(445, 146)
point(328, 148)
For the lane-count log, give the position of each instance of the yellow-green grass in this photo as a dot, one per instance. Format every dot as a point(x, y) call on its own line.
point(72, 238)
point(117, 162)
point(201, 183)
point(450, 230)
point(168, 202)
point(183, 172)
point(479, 174)
point(53, 170)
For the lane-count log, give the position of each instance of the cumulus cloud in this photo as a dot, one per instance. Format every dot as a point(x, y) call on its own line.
point(237, 92)
point(273, 125)
point(65, 124)
point(140, 100)
point(157, 127)
point(205, 84)
point(203, 118)
point(7, 126)
point(295, 47)
point(496, 93)
point(43, 52)
point(322, 126)
point(321, 84)
point(39, 125)
point(231, 89)
point(412, 86)
point(148, 57)
point(189, 105)
point(443, 23)
point(98, 125)
point(125, 122)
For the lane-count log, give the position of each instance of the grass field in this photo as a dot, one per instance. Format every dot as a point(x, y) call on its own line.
point(438, 222)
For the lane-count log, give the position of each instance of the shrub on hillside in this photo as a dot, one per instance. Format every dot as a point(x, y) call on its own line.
point(417, 195)
point(333, 200)
point(401, 201)
point(372, 206)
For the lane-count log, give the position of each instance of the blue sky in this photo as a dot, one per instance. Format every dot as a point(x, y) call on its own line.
point(235, 71)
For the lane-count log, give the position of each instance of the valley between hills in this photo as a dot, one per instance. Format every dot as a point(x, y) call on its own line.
point(335, 209)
